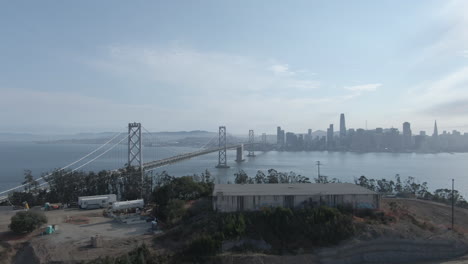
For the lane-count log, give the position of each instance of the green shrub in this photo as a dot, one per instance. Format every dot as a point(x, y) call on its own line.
point(284, 228)
point(27, 221)
point(233, 225)
point(204, 246)
point(174, 210)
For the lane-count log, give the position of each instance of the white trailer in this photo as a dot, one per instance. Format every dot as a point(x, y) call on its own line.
point(96, 201)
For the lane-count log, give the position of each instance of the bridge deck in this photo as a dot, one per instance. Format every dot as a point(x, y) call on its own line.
point(174, 159)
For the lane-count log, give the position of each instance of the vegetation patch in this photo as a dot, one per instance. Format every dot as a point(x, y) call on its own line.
point(27, 221)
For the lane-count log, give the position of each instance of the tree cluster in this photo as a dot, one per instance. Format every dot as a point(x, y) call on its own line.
point(171, 193)
point(272, 176)
point(410, 188)
point(283, 228)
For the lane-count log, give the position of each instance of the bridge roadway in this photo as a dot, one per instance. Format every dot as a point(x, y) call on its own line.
point(163, 162)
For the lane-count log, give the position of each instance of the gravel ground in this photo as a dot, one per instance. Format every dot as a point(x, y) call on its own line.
point(71, 242)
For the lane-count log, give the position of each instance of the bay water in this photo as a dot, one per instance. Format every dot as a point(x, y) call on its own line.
point(436, 169)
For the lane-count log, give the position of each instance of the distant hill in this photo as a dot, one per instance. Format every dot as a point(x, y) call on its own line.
point(94, 137)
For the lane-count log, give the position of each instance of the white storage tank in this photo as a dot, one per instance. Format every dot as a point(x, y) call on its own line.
point(128, 205)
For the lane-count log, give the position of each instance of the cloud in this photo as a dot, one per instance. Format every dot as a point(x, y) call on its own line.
point(281, 69)
point(465, 53)
point(364, 87)
point(452, 17)
point(193, 71)
point(179, 89)
point(452, 108)
point(450, 87)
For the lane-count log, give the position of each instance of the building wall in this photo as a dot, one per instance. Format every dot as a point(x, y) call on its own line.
point(223, 203)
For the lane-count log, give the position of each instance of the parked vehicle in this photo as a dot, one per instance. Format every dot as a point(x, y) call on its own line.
point(97, 201)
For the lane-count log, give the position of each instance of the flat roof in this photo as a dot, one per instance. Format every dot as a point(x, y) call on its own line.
point(289, 189)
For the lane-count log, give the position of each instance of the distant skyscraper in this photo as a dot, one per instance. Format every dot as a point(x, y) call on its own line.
point(342, 126)
point(278, 133)
point(309, 136)
point(407, 135)
point(279, 136)
point(436, 132)
point(330, 132)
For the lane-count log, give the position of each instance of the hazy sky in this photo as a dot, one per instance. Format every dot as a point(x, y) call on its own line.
point(89, 66)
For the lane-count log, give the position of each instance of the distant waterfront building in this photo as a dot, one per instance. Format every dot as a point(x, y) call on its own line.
point(291, 140)
point(436, 131)
point(407, 135)
point(422, 133)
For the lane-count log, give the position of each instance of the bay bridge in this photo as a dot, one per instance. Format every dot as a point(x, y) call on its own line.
point(134, 155)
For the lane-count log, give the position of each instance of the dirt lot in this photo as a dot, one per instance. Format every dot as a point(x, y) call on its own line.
point(416, 219)
point(72, 240)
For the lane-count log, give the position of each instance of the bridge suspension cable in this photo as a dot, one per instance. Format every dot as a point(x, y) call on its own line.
point(65, 167)
point(95, 158)
point(209, 141)
point(176, 152)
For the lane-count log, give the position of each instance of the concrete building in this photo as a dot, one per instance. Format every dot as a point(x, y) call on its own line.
point(251, 197)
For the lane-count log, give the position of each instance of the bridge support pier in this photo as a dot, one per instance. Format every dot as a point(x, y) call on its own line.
point(240, 153)
point(222, 159)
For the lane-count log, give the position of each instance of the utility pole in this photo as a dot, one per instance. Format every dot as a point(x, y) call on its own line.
point(318, 168)
point(453, 203)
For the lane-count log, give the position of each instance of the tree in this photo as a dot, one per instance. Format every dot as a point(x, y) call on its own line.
point(29, 181)
point(260, 177)
point(272, 176)
point(27, 221)
point(241, 177)
point(206, 177)
point(362, 181)
point(321, 179)
point(398, 187)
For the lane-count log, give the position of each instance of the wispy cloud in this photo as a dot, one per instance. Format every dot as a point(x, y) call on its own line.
point(188, 69)
point(452, 108)
point(452, 16)
point(364, 87)
point(465, 53)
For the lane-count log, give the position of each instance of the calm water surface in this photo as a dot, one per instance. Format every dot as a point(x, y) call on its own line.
point(436, 169)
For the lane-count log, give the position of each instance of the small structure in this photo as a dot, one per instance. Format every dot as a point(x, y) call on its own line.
point(96, 241)
point(96, 201)
point(251, 197)
point(128, 212)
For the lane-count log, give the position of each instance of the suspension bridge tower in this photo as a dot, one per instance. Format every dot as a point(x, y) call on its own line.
point(251, 144)
point(135, 153)
point(222, 159)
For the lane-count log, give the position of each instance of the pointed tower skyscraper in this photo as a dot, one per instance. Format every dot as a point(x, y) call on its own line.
point(342, 126)
point(436, 132)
